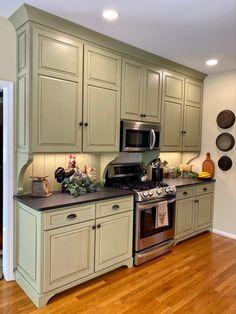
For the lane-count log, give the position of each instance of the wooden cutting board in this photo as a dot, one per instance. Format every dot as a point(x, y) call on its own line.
point(208, 165)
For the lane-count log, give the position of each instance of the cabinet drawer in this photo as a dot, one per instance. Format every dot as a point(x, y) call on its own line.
point(204, 189)
point(114, 206)
point(68, 216)
point(184, 193)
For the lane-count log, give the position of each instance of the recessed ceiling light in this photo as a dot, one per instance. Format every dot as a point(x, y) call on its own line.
point(110, 14)
point(211, 62)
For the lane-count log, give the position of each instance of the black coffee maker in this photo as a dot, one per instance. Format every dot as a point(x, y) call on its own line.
point(157, 170)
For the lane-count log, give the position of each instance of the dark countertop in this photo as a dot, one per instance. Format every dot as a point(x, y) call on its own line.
point(59, 199)
point(181, 182)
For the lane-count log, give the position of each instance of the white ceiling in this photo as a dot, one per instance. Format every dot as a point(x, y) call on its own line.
point(186, 31)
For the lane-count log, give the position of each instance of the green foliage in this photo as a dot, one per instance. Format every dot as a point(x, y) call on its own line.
point(80, 184)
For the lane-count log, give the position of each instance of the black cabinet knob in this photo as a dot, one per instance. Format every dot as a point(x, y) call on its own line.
point(86, 124)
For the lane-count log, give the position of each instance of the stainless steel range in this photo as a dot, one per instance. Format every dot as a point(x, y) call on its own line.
point(154, 210)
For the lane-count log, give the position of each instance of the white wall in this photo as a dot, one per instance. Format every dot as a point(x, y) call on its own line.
point(8, 51)
point(220, 94)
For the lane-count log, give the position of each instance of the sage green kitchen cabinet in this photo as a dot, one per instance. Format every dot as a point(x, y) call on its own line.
point(113, 240)
point(59, 248)
point(185, 210)
point(56, 92)
point(194, 210)
point(192, 125)
point(181, 113)
point(69, 78)
point(141, 91)
point(102, 71)
point(70, 254)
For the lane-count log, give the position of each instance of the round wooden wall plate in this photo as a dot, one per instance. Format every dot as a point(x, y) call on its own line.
point(225, 163)
point(225, 119)
point(225, 142)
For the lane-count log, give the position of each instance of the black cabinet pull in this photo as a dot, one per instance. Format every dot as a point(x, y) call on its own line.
point(141, 115)
point(71, 216)
point(115, 207)
point(196, 201)
point(185, 193)
point(183, 132)
point(204, 189)
point(144, 116)
point(93, 227)
point(86, 124)
point(98, 226)
point(81, 123)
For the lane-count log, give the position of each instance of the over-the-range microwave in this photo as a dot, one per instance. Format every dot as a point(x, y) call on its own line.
point(139, 136)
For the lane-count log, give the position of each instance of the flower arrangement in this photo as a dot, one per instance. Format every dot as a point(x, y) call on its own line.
point(78, 181)
point(81, 183)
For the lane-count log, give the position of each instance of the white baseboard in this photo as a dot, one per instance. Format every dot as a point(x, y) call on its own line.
point(225, 234)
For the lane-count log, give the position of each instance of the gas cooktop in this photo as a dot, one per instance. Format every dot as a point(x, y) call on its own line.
point(150, 190)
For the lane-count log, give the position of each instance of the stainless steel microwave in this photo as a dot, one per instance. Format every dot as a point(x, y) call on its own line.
point(139, 136)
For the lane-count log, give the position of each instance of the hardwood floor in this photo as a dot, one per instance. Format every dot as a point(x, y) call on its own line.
point(198, 276)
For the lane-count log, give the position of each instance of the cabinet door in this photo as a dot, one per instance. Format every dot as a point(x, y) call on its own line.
point(152, 94)
point(132, 90)
point(113, 239)
point(184, 225)
point(69, 254)
point(171, 136)
point(173, 87)
point(101, 114)
point(57, 92)
point(192, 116)
point(204, 211)
point(192, 128)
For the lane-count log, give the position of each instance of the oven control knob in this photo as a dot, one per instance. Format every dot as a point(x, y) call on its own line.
point(145, 194)
point(171, 189)
point(150, 193)
point(159, 191)
point(167, 190)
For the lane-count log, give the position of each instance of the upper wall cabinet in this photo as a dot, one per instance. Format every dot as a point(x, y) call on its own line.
point(65, 78)
point(101, 115)
point(56, 92)
point(141, 91)
point(181, 113)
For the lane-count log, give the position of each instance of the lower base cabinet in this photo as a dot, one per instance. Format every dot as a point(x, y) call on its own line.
point(60, 248)
point(194, 210)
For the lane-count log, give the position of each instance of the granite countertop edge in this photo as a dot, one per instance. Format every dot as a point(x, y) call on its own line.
point(60, 199)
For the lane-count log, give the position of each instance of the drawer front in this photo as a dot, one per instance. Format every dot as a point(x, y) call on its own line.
point(68, 216)
point(204, 189)
point(186, 192)
point(114, 206)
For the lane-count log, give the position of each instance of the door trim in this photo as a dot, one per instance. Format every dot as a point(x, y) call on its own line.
point(8, 179)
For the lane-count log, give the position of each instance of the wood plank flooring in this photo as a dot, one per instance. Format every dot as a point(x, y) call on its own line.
point(198, 276)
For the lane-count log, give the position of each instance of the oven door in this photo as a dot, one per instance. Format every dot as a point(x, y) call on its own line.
point(151, 228)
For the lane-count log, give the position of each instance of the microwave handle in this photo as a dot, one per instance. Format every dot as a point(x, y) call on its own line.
point(152, 139)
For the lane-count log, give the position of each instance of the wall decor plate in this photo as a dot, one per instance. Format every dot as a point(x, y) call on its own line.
point(225, 119)
point(225, 142)
point(225, 163)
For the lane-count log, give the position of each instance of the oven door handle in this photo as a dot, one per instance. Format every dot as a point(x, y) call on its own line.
point(152, 139)
point(153, 204)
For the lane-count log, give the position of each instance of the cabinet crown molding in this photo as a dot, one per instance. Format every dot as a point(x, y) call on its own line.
point(27, 13)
